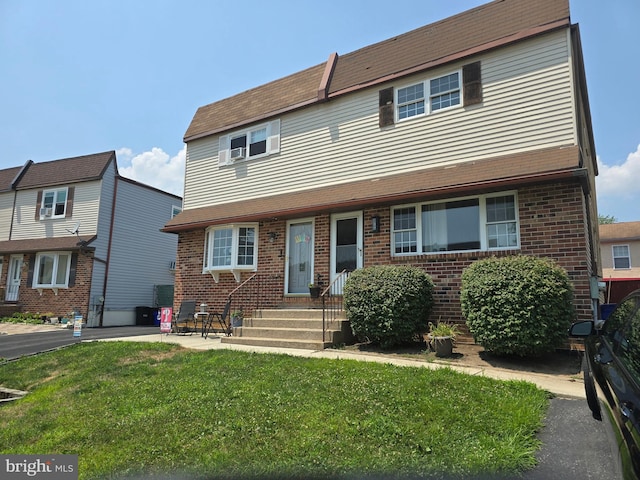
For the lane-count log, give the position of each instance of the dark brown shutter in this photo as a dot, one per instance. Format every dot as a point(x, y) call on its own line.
point(472, 81)
point(32, 266)
point(72, 269)
point(38, 204)
point(69, 210)
point(386, 114)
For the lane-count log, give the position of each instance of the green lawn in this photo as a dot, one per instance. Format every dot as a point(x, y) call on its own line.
point(152, 408)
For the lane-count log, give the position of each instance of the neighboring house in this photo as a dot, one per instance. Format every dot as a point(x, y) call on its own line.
point(465, 139)
point(620, 252)
point(75, 236)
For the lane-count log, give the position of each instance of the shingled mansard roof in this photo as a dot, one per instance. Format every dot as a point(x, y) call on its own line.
point(489, 26)
point(617, 232)
point(67, 170)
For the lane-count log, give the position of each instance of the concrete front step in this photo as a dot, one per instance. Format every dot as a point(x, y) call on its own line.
point(277, 343)
point(314, 334)
point(290, 328)
point(282, 323)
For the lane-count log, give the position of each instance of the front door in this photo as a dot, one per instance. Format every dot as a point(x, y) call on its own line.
point(299, 256)
point(13, 278)
point(346, 245)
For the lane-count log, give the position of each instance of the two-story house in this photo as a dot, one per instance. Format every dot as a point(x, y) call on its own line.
point(75, 236)
point(620, 253)
point(464, 139)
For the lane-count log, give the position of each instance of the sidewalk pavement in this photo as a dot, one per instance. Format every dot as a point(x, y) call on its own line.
point(560, 385)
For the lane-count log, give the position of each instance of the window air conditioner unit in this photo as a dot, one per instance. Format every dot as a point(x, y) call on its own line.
point(237, 153)
point(45, 212)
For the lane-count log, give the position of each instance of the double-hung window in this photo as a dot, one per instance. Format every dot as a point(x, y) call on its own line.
point(51, 270)
point(429, 96)
point(54, 203)
point(476, 223)
point(445, 91)
point(621, 257)
point(254, 142)
point(231, 248)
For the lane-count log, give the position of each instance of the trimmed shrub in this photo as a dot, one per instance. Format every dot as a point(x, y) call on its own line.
point(388, 304)
point(517, 305)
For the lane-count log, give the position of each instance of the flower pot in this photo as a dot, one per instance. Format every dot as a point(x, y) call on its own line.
point(443, 346)
point(236, 321)
point(314, 292)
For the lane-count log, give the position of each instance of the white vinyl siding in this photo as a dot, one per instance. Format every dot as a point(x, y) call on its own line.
point(86, 201)
point(6, 208)
point(527, 105)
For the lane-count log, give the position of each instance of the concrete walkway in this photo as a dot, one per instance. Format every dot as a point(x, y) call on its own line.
point(560, 385)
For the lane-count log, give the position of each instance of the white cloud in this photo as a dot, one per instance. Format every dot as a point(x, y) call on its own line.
point(619, 180)
point(154, 168)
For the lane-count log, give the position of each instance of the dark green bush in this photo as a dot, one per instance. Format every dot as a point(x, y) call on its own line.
point(388, 305)
point(517, 305)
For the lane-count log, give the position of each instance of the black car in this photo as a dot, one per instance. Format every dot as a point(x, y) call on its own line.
point(611, 367)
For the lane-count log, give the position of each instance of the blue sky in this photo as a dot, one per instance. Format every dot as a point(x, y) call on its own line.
point(81, 77)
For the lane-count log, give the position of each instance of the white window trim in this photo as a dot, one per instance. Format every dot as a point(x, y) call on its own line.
point(273, 143)
point(175, 210)
point(613, 256)
point(484, 241)
point(53, 286)
point(53, 208)
point(234, 268)
point(427, 97)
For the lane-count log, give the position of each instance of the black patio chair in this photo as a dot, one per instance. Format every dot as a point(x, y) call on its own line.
point(184, 316)
point(221, 319)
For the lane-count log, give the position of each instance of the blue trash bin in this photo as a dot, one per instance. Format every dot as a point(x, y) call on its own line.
point(606, 309)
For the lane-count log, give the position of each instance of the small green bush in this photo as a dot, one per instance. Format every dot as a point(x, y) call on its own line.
point(517, 305)
point(388, 305)
point(23, 317)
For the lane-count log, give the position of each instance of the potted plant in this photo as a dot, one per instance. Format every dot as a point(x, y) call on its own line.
point(236, 318)
point(441, 338)
point(314, 290)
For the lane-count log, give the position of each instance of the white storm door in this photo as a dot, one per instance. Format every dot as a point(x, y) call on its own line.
point(299, 261)
point(13, 278)
point(346, 245)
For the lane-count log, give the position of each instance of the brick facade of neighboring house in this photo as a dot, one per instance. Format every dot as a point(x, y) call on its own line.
point(497, 158)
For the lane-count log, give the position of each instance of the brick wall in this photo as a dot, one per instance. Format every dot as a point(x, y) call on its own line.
point(551, 225)
point(67, 299)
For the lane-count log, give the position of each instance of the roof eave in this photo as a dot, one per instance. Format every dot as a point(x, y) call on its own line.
point(436, 192)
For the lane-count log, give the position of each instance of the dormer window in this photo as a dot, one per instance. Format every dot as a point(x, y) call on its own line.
point(429, 96)
point(54, 203)
point(259, 141)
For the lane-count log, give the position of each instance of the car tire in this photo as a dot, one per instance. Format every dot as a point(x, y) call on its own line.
point(590, 389)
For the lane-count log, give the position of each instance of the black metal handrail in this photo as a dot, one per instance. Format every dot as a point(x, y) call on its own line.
point(245, 298)
point(332, 301)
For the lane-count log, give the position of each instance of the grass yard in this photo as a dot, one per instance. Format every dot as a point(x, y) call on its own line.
point(132, 409)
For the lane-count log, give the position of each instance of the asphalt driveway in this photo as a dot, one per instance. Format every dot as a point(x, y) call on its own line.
point(19, 345)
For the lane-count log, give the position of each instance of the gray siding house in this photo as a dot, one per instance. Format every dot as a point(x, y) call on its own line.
point(75, 236)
